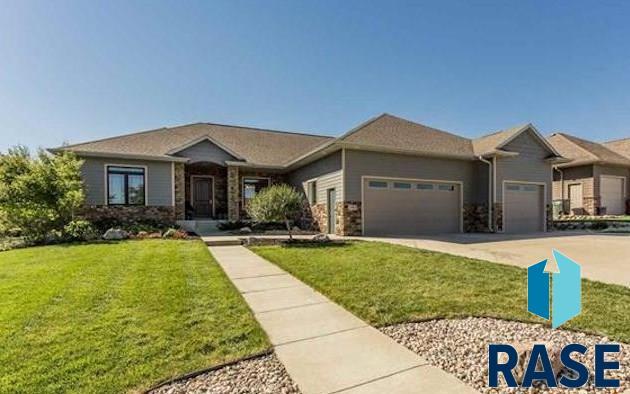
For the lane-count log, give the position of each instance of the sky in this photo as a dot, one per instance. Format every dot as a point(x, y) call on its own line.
point(73, 71)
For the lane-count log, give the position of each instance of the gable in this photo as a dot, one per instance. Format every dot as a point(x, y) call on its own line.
point(206, 151)
point(529, 144)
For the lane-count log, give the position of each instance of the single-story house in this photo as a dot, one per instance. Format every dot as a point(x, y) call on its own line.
point(595, 180)
point(387, 176)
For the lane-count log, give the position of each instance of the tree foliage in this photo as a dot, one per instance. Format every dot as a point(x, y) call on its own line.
point(39, 194)
point(277, 203)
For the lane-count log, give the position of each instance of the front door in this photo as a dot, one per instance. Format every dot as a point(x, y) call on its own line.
point(331, 203)
point(202, 197)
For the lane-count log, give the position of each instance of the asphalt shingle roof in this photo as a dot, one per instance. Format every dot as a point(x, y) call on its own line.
point(582, 151)
point(258, 146)
point(277, 148)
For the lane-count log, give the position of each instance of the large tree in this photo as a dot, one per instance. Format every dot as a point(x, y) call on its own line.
point(277, 203)
point(40, 193)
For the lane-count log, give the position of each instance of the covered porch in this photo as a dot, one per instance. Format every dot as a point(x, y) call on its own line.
point(213, 192)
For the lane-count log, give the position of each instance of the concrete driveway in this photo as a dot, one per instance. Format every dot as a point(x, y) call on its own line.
point(604, 257)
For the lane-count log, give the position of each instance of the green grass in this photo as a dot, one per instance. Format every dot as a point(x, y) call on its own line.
point(119, 317)
point(386, 284)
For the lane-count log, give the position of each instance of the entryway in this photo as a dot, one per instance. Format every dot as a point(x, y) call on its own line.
point(202, 196)
point(331, 203)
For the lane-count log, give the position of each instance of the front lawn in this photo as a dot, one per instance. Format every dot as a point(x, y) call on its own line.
point(112, 318)
point(386, 284)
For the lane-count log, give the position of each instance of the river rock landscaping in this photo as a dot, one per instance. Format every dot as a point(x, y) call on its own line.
point(460, 346)
point(261, 375)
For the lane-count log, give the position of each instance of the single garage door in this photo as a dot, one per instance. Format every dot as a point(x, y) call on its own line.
point(523, 208)
point(612, 192)
point(403, 207)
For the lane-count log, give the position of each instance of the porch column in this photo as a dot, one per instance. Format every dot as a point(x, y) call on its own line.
point(233, 193)
point(179, 191)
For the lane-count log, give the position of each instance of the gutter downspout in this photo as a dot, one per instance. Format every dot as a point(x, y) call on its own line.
point(561, 185)
point(490, 205)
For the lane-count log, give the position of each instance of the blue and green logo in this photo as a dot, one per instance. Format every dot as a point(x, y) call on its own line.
point(555, 295)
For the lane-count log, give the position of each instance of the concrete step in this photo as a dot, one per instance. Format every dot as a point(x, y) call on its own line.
point(223, 242)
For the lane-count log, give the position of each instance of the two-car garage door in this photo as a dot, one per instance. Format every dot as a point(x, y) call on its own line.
point(410, 207)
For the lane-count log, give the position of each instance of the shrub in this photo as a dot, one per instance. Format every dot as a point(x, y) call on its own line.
point(233, 225)
point(80, 230)
point(277, 203)
point(39, 195)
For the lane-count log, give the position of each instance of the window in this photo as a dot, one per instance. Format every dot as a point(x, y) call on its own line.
point(402, 185)
point(251, 186)
point(448, 188)
point(424, 186)
point(312, 192)
point(530, 188)
point(513, 188)
point(378, 184)
point(125, 185)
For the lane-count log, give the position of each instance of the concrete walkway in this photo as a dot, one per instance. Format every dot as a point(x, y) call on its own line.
point(323, 347)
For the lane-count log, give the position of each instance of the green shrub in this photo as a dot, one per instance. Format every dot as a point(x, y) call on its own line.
point(80, 230)
point(277, 203)
point(39, 195)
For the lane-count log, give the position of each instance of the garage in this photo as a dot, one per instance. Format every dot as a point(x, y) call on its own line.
point(523, 208)
point(411, 207)
point(613, 196)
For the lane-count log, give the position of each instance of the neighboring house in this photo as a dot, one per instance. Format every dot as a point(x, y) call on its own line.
point(388, 176)
point(595, 180)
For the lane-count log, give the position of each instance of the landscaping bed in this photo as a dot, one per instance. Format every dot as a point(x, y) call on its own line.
point(460, 346)
point(114, 317)
point(385, 284)
point(260, 375)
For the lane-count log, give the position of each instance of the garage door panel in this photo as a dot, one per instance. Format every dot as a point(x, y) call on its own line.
point(523, 208)
point(612, 194)
point(389, 211)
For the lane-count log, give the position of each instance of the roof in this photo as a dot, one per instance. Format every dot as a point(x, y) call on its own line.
point(621, 147)
point(582, 152)
point(391, 132)
point(261, 147)
point(256, 146)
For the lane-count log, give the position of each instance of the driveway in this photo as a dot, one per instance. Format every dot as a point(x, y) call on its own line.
point(603, 257)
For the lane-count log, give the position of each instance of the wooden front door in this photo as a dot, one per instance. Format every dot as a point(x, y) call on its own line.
point(202, 197)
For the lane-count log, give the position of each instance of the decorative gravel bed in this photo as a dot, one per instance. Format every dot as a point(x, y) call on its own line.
point(256, 376)
point(460, 347)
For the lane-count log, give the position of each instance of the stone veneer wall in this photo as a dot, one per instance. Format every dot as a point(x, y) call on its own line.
point(219, 175)
point(591, 205)
point(129, 214)
point(476, 218)
point(233, 193)
point(180, 192)
point(348, 218)
point(497, 216)
point(320, 219)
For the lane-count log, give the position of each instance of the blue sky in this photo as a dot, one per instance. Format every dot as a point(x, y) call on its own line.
point(76, 71)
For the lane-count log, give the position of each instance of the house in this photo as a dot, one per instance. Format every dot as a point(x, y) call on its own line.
point(387, 176)
point(595, 180)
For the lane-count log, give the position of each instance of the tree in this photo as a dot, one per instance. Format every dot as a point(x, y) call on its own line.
point(39, 194)
point(277, 203)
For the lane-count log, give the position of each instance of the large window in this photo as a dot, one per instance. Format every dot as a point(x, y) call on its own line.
point(125, 185)
point(251, 186)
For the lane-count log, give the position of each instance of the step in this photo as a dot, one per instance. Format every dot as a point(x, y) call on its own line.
point(223, 242)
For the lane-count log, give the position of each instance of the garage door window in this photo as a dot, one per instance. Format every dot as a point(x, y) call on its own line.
point(449, 188)
point(402, 185)
point(530, 188)
point(424, 186)
point(378, 184)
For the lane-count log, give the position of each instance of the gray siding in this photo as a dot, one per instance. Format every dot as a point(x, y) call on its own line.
point(480, 183)
point(206, 151)
point(326, 170)
point(529, 165)
point(158, 180)
point(360, 163)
